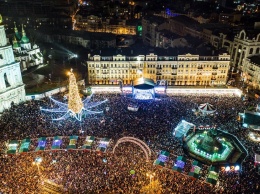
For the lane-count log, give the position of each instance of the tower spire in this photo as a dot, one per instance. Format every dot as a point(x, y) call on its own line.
point(23, 32)
point(15, 28)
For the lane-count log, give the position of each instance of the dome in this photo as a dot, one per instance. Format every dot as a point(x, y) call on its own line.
point(24, 40)
point(15, 43)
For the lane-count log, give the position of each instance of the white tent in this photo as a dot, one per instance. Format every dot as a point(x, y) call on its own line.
point(207, 108)
point(257, 158)
point(258, 108)
point(182, 128)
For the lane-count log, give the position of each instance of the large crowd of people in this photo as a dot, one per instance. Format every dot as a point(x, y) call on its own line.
point(81, 171)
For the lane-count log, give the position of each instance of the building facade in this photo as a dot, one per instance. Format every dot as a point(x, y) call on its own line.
point(177, 70)
point(245, 44)
point(251, 71)
point(11, 83)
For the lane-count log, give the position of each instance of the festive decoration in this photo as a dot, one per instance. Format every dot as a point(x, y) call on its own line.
point(75, 104)
point(76, 107)
point(207, 108)
point(154, 187)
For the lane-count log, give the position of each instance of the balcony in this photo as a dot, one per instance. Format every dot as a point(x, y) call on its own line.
point(105, 72)
point(250, 74)
point(213, 78)
point(200, 67)
point(134, 67)
point(251, 69)
point(215, 67)
point(214, 73)
point(174, 67)
point(158, 73)
point(104, 67)
point(158, 67)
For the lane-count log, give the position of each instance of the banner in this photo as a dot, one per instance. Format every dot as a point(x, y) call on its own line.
point(41, 144)
point(179, 164)
point(25, 145)
point(56, 143)
point(195, 169)
point(12, 147)
point(103, 144)
point(72, 143)
point(162, 158)
point(213, 175)
point(88, 142)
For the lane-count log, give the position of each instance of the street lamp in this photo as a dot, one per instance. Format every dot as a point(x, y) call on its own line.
point(37, 162)
point(150, 175)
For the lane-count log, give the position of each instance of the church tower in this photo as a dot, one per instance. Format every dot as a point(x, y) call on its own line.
point(11, 83)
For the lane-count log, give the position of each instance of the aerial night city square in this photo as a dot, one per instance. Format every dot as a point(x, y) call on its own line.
point(129, 96)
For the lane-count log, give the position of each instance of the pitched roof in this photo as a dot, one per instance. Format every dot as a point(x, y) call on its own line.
point(185, 20)
point(155, 19)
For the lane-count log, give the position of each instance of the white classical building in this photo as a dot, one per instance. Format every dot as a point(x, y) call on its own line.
point(245, 44)
point(11, 83)
point(25, 53)
point(251, 71)
point(177, 70)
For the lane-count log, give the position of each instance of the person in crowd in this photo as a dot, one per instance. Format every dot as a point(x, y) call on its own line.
point(80, 171)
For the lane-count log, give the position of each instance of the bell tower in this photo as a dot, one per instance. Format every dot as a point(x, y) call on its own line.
point(11, 83)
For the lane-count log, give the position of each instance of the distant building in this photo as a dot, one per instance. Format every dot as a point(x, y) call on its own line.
point(229, 18)
point(166, 39)
point(177, 70)
point(11, 83)
point(37, 13)
point(94, 23)
point(27, 55)
point(92, 40)
point(151, 25)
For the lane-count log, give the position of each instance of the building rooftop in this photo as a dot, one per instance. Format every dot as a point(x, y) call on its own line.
point(255, 59)
point(185, 20)
point(155, 19)
point(217, 28)
point(170, 34)
point(139, 49)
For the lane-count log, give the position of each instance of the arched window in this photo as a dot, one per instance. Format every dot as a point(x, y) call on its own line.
point(242, 35)
point(251, 51)
point(7, 84)
point(257, 51)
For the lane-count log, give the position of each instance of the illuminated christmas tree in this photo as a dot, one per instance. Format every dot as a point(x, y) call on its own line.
point(75, 108)
point(75, 104)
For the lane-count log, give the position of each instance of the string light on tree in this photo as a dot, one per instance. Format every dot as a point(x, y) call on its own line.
point(75, 103)
point(75, 108)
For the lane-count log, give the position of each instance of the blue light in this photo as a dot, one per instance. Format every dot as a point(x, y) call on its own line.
point(245, 125)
